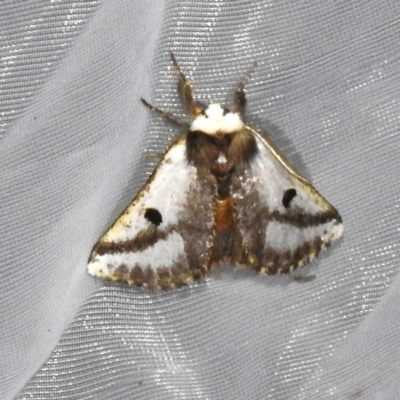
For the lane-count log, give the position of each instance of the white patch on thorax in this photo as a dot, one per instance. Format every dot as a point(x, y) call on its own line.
point(222, 159)
point(215, 121)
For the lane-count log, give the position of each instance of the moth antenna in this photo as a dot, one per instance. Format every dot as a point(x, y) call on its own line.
point(185, 90)
point(239, 96)
point(178, 69)
point(165, 114)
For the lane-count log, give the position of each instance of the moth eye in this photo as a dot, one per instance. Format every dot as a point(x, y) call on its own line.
point(225, 111)
point(203, 113)
point(288, 196)
point(153, 215)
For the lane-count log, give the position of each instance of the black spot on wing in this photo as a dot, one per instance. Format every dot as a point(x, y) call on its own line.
point(153, 215)
point(288, 196)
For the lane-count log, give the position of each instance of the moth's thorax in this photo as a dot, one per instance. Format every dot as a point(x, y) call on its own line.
point(216, 120)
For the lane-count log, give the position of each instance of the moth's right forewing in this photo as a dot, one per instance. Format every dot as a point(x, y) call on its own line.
point(284, 221)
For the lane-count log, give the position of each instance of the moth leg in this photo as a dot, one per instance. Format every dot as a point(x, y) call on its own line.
point(166, 115)
point(155, 158)
point(185, 90)
point(239, 96)
point(304, 278)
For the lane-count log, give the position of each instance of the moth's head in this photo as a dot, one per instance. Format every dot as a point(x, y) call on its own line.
point(216, 119)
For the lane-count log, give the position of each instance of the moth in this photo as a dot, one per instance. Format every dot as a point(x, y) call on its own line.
point(222, 194)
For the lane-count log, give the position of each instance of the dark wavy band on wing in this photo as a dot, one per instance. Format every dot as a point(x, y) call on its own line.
point(298, 218)
point(142, 241)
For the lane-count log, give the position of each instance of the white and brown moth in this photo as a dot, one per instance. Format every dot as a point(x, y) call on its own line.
point(223, 193)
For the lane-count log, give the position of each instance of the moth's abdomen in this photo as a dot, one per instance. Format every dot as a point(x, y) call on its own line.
point(224, 215)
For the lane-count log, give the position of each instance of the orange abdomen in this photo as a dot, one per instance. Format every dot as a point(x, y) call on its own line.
point(224, 214)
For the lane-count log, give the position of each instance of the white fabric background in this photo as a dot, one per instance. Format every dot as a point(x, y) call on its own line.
point(74, 150)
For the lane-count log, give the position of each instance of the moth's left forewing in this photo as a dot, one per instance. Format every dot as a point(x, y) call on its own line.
point(284, 221)
point(160, 241)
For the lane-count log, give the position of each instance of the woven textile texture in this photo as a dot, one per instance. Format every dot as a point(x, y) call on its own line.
point(76, 144)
